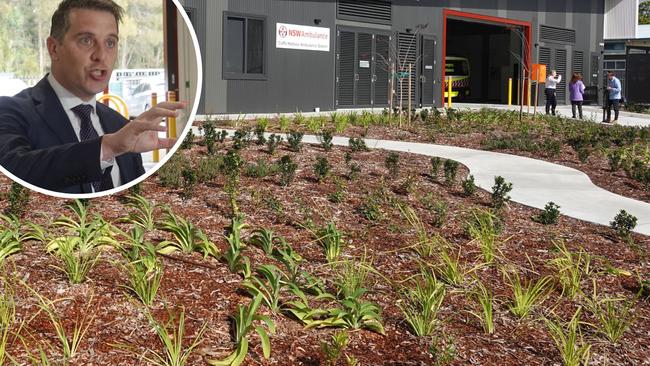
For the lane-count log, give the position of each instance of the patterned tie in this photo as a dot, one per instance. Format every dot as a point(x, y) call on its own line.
point(88, 132)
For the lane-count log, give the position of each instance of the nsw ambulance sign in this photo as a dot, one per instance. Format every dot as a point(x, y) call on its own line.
point(300, 37)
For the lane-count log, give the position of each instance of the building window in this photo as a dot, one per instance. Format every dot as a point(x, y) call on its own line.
point(244, 43)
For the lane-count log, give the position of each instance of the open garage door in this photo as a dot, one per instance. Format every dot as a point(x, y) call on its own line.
point(481, 53)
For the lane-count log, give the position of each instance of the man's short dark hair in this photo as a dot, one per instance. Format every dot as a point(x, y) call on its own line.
point(61, 17)
point(610, 72)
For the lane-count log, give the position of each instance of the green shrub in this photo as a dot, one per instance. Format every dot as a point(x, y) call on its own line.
point(469, 186)
point(221, 136)
point(232, 164)
point(242, 138)
point(260, 128)
point(392, 164)
point(322, 168)
point(294, 139)
point(189, 181)
point(424, 114)
point(18, 197)
point(615, 158)
point(169, 174)
point(325, 139)
point(549, 215)
point(338, 195)
point(210, 135)
point(500, 192)
point(583, 154)
point(436, 162)
point(451, 170)
point(357, 144)
point(287, 170)
point(273, 142)
point(188, 141)
point(209, 168)
point(371, 207)
point(623, 224)
point(260, 169)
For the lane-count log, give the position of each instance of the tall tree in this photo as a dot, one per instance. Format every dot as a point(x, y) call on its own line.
point(644, 12)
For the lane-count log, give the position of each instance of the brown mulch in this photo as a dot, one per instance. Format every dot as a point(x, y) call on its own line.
point(119, 332)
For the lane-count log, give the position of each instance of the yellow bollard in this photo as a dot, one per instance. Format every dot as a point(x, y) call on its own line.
point(171, 121)
point(154, 102)
point(450, 82)
point(509, 91)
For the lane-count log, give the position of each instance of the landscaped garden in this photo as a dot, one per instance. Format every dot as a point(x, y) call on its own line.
point(265, 250)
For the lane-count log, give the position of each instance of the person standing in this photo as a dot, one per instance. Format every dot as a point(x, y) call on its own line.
point(576, 92)
point(614, 97)
point(551, 87)
point(55, 135)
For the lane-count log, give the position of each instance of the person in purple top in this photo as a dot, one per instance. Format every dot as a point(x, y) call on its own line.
point(576, 92)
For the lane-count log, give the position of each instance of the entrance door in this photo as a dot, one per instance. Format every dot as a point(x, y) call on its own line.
point(362, 74)
point(427, 71)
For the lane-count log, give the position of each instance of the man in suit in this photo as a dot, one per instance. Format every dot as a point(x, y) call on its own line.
point(54, 135)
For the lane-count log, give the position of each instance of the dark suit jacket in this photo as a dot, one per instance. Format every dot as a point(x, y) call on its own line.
point(38, 144)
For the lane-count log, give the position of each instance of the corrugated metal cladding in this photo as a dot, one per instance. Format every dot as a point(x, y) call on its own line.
point(363, 35)
point(620, 19)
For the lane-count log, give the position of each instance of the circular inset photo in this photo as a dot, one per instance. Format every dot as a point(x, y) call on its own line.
point(98, 103)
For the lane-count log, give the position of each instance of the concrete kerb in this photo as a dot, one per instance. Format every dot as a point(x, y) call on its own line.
point(535, 182)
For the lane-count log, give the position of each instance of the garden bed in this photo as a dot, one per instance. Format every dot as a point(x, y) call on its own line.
point(583, 145)
point(370, 212)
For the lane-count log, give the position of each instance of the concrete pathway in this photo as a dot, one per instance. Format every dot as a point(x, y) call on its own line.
point(534, 182)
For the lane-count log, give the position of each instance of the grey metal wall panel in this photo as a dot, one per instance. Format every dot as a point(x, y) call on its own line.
point(302, 80)
point(296, 80)
point(215, 88)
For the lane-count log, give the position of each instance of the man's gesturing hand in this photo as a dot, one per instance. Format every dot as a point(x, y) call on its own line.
point(141, 134)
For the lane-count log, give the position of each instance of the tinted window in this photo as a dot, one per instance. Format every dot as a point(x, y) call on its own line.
point(234, 47)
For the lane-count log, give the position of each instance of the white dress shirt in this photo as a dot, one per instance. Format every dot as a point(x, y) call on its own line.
point(69, 101)
point(551, 82)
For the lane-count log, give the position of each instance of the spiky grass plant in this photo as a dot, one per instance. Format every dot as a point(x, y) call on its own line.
point(449, 268)
point(264, 239)
point(244, 322)
point(69, 341)
point(421, 302)
point(144, 269)
point(187, 237)
point(333, 350)
point(485, 299)
point(570, 268)
point(352, 275)
point(331, 240)
point(80, 249)
point(483, 229)
point(9, 244)
point(143, 212)
point(614, 316)
point(233, 256)
point(568, 339)
point(7, 318)
point(527, 295)
point(269, 285)
point(175, 352)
